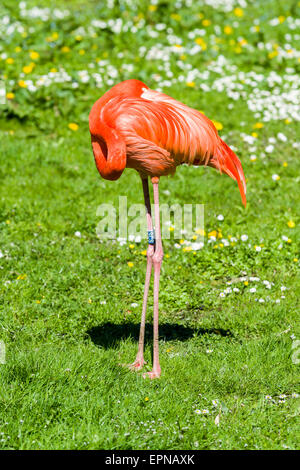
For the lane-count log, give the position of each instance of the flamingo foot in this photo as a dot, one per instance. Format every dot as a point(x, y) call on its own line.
point(138, 364)
point(154, 374)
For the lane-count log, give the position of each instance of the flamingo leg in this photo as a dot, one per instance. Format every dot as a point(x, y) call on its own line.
point(157, 260)
point(139, 361)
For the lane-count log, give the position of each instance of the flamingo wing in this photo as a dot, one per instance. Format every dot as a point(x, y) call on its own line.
point(186, 134)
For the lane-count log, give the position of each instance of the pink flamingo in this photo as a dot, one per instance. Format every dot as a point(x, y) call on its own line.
point(133, 126)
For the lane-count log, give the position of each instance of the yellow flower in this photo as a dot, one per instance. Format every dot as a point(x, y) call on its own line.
point(53, 70)
point(90, 301)
point(228, 30)
point(257, 28)
point(295, 260)
point(281, 18)
point(38, 301)
point(18, 49)
point(171, 229)
point(146, 398)
point(131, 246)
point(175, 17)
point(287, 121)
point(27, 69)
point(152, 7)
point(10, 96)
point(218, 125)
point(9, 60)
point(130, 264)
point(21, 277)
point(238, 49)
point(243, 42)
point(254, 134)
point(258, 125)
point(272, 54)
point(144, 253)
point(200, 231)
point(187, 248)
point(34, 55)
point(167, 255)
point(291, 224)
point(191, 84)
point(246, 283)
point(201, 43)
point(73, 126)
point(65, 49)
point(212, 234)
point(22, 84)
point(285, 164)
point(82, 52)
point(238, 12)
point(206, 22)
point(78, 37)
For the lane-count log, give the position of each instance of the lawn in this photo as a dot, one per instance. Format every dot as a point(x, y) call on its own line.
point(71, 303)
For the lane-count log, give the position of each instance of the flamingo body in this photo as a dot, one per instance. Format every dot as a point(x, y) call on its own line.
point(135, 127)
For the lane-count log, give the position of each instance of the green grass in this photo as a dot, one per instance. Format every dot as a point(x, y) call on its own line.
point(66, 311)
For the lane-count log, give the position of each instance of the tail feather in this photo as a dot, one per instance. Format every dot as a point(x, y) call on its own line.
point(226, 161)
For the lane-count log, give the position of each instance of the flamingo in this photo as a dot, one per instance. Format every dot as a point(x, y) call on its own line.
point(133, 126)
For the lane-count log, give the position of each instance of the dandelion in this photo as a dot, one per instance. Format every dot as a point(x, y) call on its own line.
point(10, 60)
point(218, 125)
point(10, 96)
point(175, 17)
point(239, 12)
point(291, 224)
point(130, 264)
point(146, 398)
point(73, 126)
point(22, 84)
point(28, 68)
point(228, 30)
point(258, 125)
point(34, 55)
